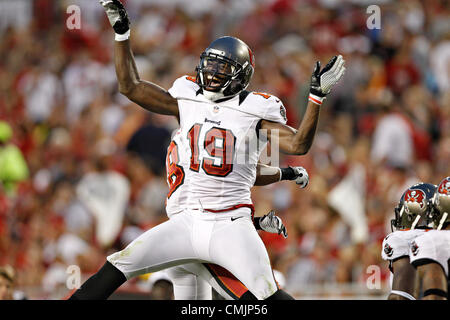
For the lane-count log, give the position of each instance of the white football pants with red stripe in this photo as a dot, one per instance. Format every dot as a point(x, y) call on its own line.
point(227, 239)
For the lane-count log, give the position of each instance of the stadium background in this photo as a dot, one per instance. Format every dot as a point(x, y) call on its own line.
point(385, 126)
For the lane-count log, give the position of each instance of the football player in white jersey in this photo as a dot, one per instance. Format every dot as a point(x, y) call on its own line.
point(411, 220)
point(225, 129)
point(194, 281)
point(430, 252)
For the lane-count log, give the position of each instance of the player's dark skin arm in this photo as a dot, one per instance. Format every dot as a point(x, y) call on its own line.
point(266, 175)
point(290, 140)
point(403, 278)
point(146, 94)
point(432, 276)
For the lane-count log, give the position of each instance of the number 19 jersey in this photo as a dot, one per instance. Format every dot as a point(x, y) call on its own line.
point(221, 144)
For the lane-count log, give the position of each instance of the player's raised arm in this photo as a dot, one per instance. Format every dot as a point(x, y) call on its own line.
point(298, 142)
point(146, 94)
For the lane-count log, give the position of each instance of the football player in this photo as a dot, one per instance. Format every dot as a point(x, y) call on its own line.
point(430, 252)
point(193, 281)
point(411, 220)
point(224, 130)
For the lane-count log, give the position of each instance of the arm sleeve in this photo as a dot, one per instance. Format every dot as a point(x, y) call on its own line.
point(184, 86)
point(394, 247)
point(275, 110)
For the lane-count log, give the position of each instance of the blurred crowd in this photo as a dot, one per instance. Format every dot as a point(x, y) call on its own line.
point(93, 175)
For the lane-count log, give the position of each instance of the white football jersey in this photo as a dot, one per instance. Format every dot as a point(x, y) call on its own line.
point(396, 244)
point(433, 246)
point(221, 143)
point(177, 161)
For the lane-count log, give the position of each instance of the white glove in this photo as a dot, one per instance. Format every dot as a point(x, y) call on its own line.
point(272, 224)
point(302, 177)
point(299, 174)
point(322, 81)
point(117, 15)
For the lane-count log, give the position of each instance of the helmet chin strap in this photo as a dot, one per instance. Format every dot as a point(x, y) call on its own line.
point(415, 222)
point(441, 222)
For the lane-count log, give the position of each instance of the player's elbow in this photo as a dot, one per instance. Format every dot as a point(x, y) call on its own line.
point(127, 89)
point(300, 149)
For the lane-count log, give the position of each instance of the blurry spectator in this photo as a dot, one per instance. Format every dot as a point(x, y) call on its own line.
point(106, 194)
point(161, 287)
point(42, 91)
point(6, 283)
point(13, 168)
point(317, 268)
point(88, 165)
point(392, 140)
point(440, 63)
point(158, 138)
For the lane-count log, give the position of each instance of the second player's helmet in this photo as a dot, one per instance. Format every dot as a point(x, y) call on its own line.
point(415, 207)
point(225, 69)
point(441, 201)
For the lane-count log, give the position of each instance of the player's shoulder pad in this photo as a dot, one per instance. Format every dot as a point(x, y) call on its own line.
point(268, 106)
point(184, 86)
point(424, 246)
point(395, 245)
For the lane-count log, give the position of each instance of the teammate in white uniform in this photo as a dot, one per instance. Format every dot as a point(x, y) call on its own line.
point(411, 220)
point(430, 252)
point(226, 129)
point(193, 281)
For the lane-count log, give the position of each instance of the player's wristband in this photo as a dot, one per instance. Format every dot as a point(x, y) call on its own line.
point(316, 99)
point(256, 223)
point(123, 37)
point(287, 174)
point(436, 292)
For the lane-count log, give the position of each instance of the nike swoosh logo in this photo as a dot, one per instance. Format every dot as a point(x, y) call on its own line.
point(235, 218)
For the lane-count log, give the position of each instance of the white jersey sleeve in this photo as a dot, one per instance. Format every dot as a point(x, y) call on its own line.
point(184, 87)
point(396, 244)
point(432, 246)
point(272, 108)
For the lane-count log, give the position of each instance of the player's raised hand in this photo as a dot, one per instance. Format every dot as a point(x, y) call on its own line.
point(322, 81)
point(272, 224)
point(301, 177)
point(299, 174)
point(117, 15)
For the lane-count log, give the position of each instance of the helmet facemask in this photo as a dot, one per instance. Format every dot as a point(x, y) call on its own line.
point(225, 69)
point(218, 76)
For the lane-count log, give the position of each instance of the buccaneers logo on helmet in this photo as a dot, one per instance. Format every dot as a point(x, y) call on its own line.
point(444, 186)
point(415, 201)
